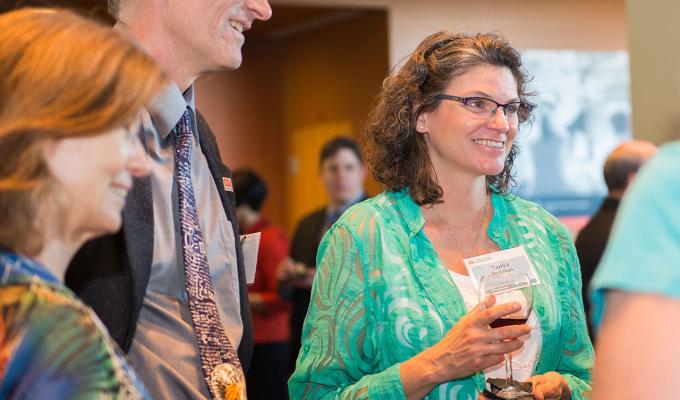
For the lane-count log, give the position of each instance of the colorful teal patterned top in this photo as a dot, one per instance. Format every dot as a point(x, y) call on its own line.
point(382, 295)
point(51, 345)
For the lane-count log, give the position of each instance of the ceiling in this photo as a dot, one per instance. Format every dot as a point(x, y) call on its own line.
point(290, 20)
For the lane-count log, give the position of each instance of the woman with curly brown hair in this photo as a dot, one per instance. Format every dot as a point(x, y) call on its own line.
point(393, 312)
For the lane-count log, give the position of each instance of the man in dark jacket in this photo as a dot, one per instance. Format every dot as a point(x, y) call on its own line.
point(619, 171)
point(170, 286)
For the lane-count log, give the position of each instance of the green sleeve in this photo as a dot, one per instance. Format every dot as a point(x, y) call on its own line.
point(576, 361)
point(338, 339)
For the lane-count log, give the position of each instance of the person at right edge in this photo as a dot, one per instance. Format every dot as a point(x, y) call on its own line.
point(635, 292)
point(393, 312)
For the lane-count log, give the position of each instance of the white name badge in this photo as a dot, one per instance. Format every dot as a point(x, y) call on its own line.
point(513, 260)
point(250, 244)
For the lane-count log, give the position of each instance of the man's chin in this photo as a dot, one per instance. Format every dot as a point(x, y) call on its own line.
point(235, 64)
point(228, 62)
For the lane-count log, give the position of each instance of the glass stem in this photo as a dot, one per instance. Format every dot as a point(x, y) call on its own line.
point(509, 379)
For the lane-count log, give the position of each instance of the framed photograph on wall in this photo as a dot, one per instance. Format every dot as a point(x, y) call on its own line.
point(583, 112)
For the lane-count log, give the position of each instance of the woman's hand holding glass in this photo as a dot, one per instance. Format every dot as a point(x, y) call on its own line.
point(509, 288)
point(472, 346)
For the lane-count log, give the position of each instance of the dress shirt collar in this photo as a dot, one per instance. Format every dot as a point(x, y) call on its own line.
point(413, 216)
point(168, 107)
point(414, 219)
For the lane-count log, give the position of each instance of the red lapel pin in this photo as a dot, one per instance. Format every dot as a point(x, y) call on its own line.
point(228, 186)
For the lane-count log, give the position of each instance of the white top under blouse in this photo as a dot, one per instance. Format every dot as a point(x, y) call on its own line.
point(524, 359)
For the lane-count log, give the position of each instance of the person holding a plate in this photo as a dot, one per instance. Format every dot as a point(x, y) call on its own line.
point(393, 312)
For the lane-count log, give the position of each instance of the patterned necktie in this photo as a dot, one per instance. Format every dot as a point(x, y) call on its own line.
point(219, 362)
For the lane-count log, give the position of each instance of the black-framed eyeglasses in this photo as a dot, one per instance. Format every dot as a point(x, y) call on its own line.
point(514, 111)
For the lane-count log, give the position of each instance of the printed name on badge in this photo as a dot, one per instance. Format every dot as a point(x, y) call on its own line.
point(501, 262)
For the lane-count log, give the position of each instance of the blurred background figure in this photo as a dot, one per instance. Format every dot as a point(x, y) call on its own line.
point(72, 92)
point(342, 172)
point(266, 378)
point(619, 170)
point(636, 289)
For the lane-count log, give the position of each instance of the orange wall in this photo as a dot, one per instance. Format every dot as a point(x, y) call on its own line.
point(332, 75)
point(243, 108)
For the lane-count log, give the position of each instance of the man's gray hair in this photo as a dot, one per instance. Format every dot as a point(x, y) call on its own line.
point(113, 7)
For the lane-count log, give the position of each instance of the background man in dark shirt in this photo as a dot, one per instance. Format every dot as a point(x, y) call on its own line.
point(342, 173)
point(619, 171)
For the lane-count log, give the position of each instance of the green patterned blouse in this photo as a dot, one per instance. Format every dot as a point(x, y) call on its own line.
point(382, 295)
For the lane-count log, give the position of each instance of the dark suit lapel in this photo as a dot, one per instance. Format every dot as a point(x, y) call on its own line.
point(219, 173)
point(222, 175)
point(138, 235)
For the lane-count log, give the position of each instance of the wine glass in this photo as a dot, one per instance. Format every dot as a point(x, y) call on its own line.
point(507, 288)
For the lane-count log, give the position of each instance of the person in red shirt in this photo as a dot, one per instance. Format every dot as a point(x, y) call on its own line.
point(266, 378)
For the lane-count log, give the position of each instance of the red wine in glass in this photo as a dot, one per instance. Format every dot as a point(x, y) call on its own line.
point(501, 322)
point(505, 288)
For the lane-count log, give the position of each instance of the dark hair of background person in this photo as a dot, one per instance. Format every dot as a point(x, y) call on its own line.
point(618, 169)
point(331, 148)
point(249, 189)
point(396, 153)
point(62, 77)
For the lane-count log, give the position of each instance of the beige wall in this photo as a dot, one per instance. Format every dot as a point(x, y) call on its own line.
point(655, 69)
point(554, 24)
